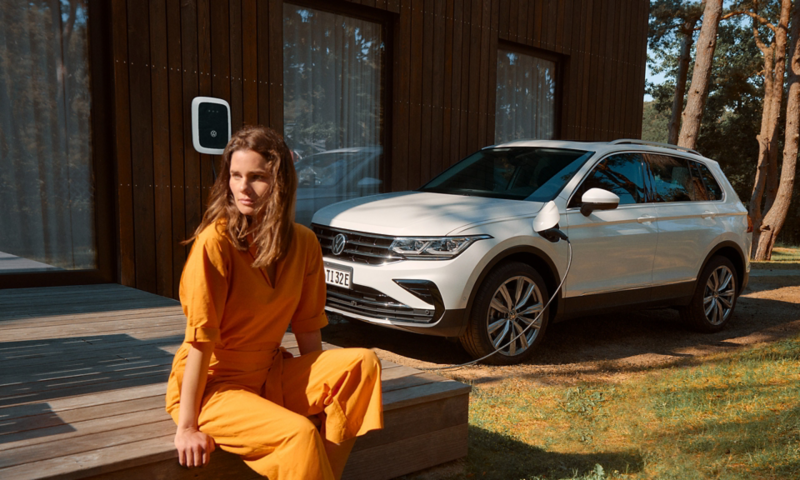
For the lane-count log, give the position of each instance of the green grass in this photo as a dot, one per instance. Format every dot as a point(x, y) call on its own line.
point(782, 254)
point(733, 415)
point(785, 254)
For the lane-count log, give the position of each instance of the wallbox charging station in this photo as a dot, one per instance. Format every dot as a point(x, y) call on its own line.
point(211, 124)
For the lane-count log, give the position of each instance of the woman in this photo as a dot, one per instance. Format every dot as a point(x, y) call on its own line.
point(251, 273)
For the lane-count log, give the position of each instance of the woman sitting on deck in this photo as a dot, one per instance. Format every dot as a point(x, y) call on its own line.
point(251, 272)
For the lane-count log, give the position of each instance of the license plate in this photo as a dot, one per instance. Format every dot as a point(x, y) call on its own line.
point(338, 275)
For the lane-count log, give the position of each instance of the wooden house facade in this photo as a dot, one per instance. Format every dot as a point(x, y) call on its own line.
point(427, 81)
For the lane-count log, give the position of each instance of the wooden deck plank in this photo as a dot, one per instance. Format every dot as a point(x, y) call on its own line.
point(83, 383)
point(25, 427)
point(34, 446)
point(65, 323)
point(224, 466)
point(17, 446)
point(90, 317)
point(95, 462)
point(423, 451)
point(111, 328)
point(83, 445)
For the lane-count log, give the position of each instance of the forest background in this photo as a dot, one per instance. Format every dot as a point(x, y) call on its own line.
point(746, 52)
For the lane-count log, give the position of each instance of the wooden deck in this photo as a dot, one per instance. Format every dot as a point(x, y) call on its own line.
point(82, 380)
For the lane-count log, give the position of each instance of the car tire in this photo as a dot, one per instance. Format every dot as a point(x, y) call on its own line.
point(714, 298)
point(508, 301)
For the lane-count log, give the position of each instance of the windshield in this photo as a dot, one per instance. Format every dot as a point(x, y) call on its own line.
point(516, 173)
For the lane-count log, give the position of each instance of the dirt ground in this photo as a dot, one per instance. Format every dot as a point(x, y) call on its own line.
point(603, 347)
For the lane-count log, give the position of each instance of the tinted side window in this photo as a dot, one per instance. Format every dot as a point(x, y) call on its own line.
point(698, 189)
point(713, 188)
point(620, 174)
point(672, 180)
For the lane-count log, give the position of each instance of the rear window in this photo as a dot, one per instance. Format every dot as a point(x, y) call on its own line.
point(677, 179)
point(517, 173)
point(711, 184)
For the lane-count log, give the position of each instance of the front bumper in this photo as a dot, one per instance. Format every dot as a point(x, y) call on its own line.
point(452, 323)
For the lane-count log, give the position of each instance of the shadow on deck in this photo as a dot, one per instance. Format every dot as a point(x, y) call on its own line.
point(82, 382)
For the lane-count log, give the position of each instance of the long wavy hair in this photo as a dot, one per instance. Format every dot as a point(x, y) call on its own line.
point(273, 217)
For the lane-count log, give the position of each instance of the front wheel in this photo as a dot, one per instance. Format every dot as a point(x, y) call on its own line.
point(714, 298)
point(505, 316)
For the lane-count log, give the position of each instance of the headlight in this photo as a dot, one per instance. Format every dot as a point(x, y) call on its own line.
point(433, 248)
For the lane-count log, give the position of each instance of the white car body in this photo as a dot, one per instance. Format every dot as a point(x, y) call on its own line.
point(644, 254)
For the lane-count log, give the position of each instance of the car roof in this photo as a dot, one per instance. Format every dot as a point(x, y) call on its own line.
point(606, 147)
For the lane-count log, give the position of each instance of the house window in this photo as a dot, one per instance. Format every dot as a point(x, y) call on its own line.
point(526, 97)
point(333, 77)
point(46, 186)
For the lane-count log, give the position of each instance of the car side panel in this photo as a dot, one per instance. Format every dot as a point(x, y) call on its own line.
point(612, 250)
point(686, 232)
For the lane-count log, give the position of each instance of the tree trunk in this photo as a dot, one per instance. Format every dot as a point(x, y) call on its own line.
point(776, 216)
point(706, 43)
point(762, 165)
point(680, 81)
point(774, 69)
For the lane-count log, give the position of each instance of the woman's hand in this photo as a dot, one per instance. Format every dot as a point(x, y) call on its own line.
point(194, 447)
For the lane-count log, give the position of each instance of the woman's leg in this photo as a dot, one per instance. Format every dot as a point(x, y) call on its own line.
point(343, 384)
point(272, 440)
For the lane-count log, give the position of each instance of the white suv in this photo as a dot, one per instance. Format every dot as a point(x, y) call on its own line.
point(650, 225)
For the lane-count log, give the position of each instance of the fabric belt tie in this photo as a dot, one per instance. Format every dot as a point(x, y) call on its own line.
point(246, 361)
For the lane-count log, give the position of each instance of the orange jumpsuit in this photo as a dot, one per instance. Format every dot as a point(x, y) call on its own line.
point(256, 402)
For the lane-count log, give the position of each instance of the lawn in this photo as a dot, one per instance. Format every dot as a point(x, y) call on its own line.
point(731, 415)
point(783, 254)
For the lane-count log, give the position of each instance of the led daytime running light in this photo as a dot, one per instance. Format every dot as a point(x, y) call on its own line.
point(436, 248)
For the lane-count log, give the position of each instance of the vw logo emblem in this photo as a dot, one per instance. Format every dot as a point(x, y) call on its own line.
point(339, 242)
point(213, 133)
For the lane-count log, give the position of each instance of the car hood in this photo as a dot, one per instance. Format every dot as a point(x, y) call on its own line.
point(421, 213)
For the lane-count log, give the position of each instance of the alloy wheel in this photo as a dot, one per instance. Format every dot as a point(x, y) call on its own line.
point(514, 306)
point(719, 295)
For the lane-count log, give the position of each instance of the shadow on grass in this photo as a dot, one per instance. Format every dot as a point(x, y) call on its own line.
point(495, 456)
point(600, 343)
point(760, 445)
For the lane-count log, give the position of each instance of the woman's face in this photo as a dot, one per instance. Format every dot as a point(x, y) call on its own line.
point(248, 179)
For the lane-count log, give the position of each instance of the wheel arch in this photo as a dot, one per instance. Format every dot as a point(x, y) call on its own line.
point(733, 252)
point(531, 256)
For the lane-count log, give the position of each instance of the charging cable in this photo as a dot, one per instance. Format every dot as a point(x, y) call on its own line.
point(497, 349)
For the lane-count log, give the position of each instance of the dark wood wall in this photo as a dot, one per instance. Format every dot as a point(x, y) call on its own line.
point(440, 102)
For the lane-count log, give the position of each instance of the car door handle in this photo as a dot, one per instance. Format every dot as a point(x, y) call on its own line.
point(708, 215)
point(645, 219)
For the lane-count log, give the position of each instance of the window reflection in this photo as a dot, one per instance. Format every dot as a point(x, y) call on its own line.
point(526, 97)
point(520, 173)
point(332, 105)
point(679, 180)
point(620, 174)
point(46, 187)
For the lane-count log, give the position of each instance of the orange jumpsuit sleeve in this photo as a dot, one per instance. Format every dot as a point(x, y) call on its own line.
point(310, 313)
point(204, 288)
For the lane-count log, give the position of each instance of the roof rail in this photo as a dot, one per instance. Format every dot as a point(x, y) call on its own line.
point(655, 144)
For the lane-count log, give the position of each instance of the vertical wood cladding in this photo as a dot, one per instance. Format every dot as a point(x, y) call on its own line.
point(442, 93)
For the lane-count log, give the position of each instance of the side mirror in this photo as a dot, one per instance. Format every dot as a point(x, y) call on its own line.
point(211, 125)
point(546, 223)
point(598, 199)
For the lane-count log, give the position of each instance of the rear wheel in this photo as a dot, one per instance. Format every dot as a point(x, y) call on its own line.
point(714, 298)
point(505, 316)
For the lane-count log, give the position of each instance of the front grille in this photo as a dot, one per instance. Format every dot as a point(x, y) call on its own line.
point(360, 247)
point(371, 303)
